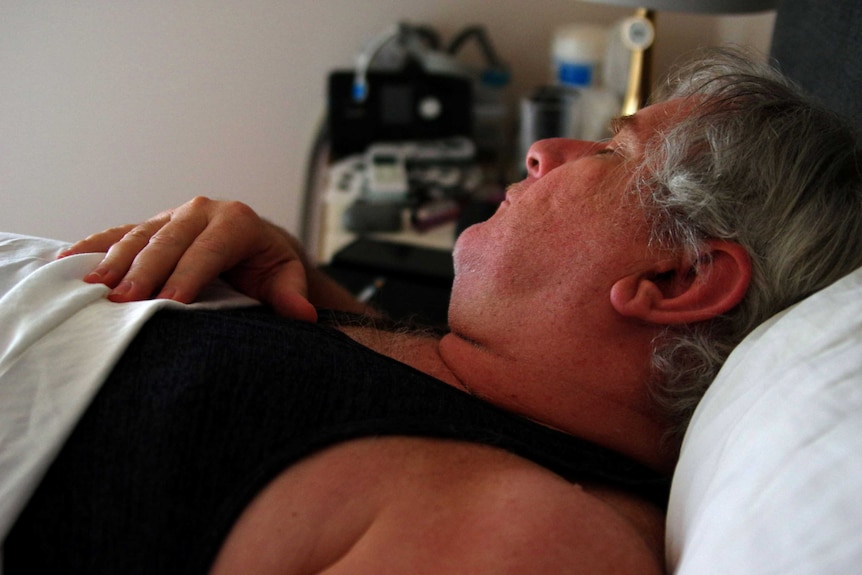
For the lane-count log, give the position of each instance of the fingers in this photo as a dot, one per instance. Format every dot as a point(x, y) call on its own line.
point(202, 247)
point(177, 253)
point(138, 261)
point(172, 256)
point(97, 243)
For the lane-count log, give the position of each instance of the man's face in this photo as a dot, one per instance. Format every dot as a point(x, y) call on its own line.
point(564, 235)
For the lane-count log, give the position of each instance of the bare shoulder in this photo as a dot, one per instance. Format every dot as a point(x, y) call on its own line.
point(480, 510)
point(425, 506)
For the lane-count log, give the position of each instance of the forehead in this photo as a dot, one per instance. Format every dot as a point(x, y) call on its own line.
point(651, 120)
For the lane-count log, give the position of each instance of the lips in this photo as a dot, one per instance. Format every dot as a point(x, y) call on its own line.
point(512, 191)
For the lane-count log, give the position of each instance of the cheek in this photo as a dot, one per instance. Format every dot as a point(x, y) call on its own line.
point(498, 260)
point(559, 230)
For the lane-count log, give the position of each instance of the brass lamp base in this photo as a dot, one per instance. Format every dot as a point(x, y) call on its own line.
point(638, 35)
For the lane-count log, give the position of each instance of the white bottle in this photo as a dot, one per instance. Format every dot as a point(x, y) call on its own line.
point(577, 55)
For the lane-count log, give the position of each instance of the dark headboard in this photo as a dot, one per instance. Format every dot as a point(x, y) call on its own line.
point(817, 43)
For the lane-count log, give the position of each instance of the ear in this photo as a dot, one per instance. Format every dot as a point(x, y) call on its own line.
point(681, 291)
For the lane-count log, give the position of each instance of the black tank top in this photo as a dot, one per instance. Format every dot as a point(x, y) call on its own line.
point(205, 408)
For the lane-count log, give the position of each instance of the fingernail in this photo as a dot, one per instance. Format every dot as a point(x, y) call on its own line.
point(122, 289)
point(167, 293)
point(94, 277)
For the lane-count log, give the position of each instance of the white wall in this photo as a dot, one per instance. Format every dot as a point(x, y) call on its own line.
point(111, 110)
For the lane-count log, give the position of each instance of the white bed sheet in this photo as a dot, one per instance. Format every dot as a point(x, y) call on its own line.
point(59, 339)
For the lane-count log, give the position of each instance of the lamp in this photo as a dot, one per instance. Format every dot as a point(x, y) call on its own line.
point(639, 32)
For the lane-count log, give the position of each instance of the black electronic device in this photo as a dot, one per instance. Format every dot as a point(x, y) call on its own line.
point(410, 104)
point(419, 263)
point(410, 283)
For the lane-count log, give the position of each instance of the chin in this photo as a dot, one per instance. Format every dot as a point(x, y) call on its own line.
point(463, 247)
point(475, 239)
point(470, 286)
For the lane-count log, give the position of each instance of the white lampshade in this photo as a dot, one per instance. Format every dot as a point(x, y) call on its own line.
point(705, 6)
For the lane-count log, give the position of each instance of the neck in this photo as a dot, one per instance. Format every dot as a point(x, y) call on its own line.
point(523, 388)
point(626, 422)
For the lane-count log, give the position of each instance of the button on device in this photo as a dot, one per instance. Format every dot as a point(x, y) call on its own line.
point(430, 108)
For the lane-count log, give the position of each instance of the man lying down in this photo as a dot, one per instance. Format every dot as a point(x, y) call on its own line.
point(536, 435)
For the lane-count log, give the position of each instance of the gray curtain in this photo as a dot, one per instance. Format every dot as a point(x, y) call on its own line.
point(817, 43)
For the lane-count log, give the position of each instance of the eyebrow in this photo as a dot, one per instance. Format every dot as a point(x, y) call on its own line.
point(620, 123)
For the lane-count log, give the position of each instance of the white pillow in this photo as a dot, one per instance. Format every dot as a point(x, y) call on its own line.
point(770, 475)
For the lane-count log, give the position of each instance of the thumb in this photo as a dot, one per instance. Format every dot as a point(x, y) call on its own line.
point(293, 305)
point(287, 292)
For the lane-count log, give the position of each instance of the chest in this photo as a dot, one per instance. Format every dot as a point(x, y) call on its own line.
point(418, 350)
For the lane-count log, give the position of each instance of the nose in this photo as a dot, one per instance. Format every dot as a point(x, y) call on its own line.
point(545, 155)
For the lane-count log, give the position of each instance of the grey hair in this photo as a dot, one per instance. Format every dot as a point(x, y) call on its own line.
point(759, 164)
